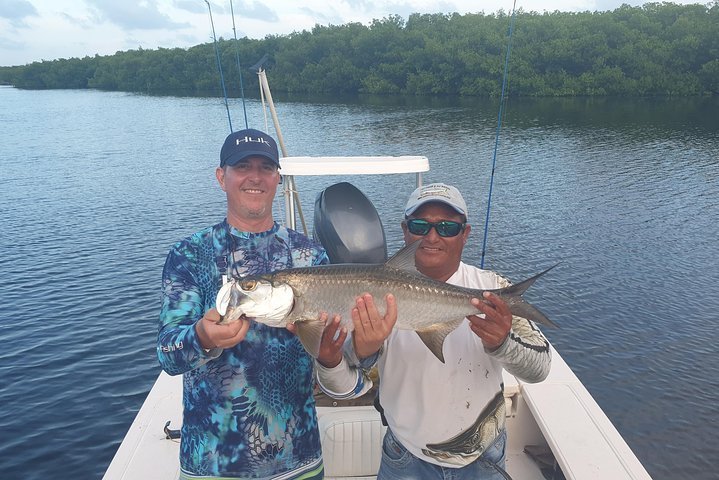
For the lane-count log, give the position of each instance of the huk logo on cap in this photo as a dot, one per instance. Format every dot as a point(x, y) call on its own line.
point(244, 144)
point(249, 139)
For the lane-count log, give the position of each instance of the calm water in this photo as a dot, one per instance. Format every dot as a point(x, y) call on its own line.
point(95, 187)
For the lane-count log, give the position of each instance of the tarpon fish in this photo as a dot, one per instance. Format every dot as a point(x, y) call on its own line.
point(431, 308)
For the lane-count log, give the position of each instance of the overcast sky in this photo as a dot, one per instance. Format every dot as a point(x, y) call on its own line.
point(34, 30)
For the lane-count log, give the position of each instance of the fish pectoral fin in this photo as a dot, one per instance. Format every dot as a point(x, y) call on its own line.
point(434, 336)
point(310, 334)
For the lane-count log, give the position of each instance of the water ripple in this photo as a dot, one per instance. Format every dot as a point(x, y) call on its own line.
point(624, 196)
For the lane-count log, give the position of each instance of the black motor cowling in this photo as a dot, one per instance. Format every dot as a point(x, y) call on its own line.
point(347, 224)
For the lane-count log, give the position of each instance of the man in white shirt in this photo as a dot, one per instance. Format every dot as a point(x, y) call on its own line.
point(440, 416)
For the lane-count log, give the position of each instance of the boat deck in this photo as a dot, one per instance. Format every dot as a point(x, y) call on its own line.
point(557, 416)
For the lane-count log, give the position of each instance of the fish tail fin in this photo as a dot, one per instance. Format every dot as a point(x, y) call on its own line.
point(523, 286)
point(523, 308)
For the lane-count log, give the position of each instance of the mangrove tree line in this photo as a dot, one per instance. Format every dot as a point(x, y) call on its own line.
point(655, 49)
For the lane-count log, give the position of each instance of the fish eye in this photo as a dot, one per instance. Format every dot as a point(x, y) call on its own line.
point(248, 285)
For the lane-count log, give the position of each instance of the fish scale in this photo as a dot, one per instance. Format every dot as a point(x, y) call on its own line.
point(421, 303)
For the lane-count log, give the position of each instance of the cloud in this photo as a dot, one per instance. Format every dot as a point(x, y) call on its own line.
point(16, 11)
point(407, 8)
point(192, 6)
point(322, 17)
point(362, 5)
point(8, 44)
point(255, 11)
point(134, 15)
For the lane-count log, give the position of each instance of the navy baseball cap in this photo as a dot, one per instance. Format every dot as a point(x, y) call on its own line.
point(241, 145)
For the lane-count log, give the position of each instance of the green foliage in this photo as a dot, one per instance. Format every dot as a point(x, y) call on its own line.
point(656, 49)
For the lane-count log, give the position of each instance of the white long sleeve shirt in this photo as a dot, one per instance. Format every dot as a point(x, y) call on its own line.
point(427, 402)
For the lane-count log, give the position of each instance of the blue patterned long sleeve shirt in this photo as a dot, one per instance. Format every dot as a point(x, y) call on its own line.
point(248, 410)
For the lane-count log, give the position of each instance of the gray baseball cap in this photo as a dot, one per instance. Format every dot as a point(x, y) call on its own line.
point(436, 192)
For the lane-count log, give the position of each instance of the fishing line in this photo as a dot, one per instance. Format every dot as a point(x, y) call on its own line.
point(239, 69)
point(219, 66)
point(496, 136)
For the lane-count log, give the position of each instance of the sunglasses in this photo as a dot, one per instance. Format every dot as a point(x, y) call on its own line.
point(445, 228)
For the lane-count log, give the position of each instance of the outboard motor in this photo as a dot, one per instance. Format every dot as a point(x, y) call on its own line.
point(347, 224)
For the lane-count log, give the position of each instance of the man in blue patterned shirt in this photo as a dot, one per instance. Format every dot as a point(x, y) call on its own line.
point(248, 406)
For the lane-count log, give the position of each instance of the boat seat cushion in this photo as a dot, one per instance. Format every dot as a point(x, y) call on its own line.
point(351, 441)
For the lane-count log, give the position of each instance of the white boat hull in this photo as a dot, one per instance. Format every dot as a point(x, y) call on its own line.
point(558, 413)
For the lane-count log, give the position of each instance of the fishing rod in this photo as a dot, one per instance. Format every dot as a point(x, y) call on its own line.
point(292, 199)
point(239, 69)
point(219, 67)
point(496, 136)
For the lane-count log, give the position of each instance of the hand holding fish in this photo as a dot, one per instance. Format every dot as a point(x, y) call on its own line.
point(330, 354)
point(370, 328)
point(213, 334)
point(494, 328)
